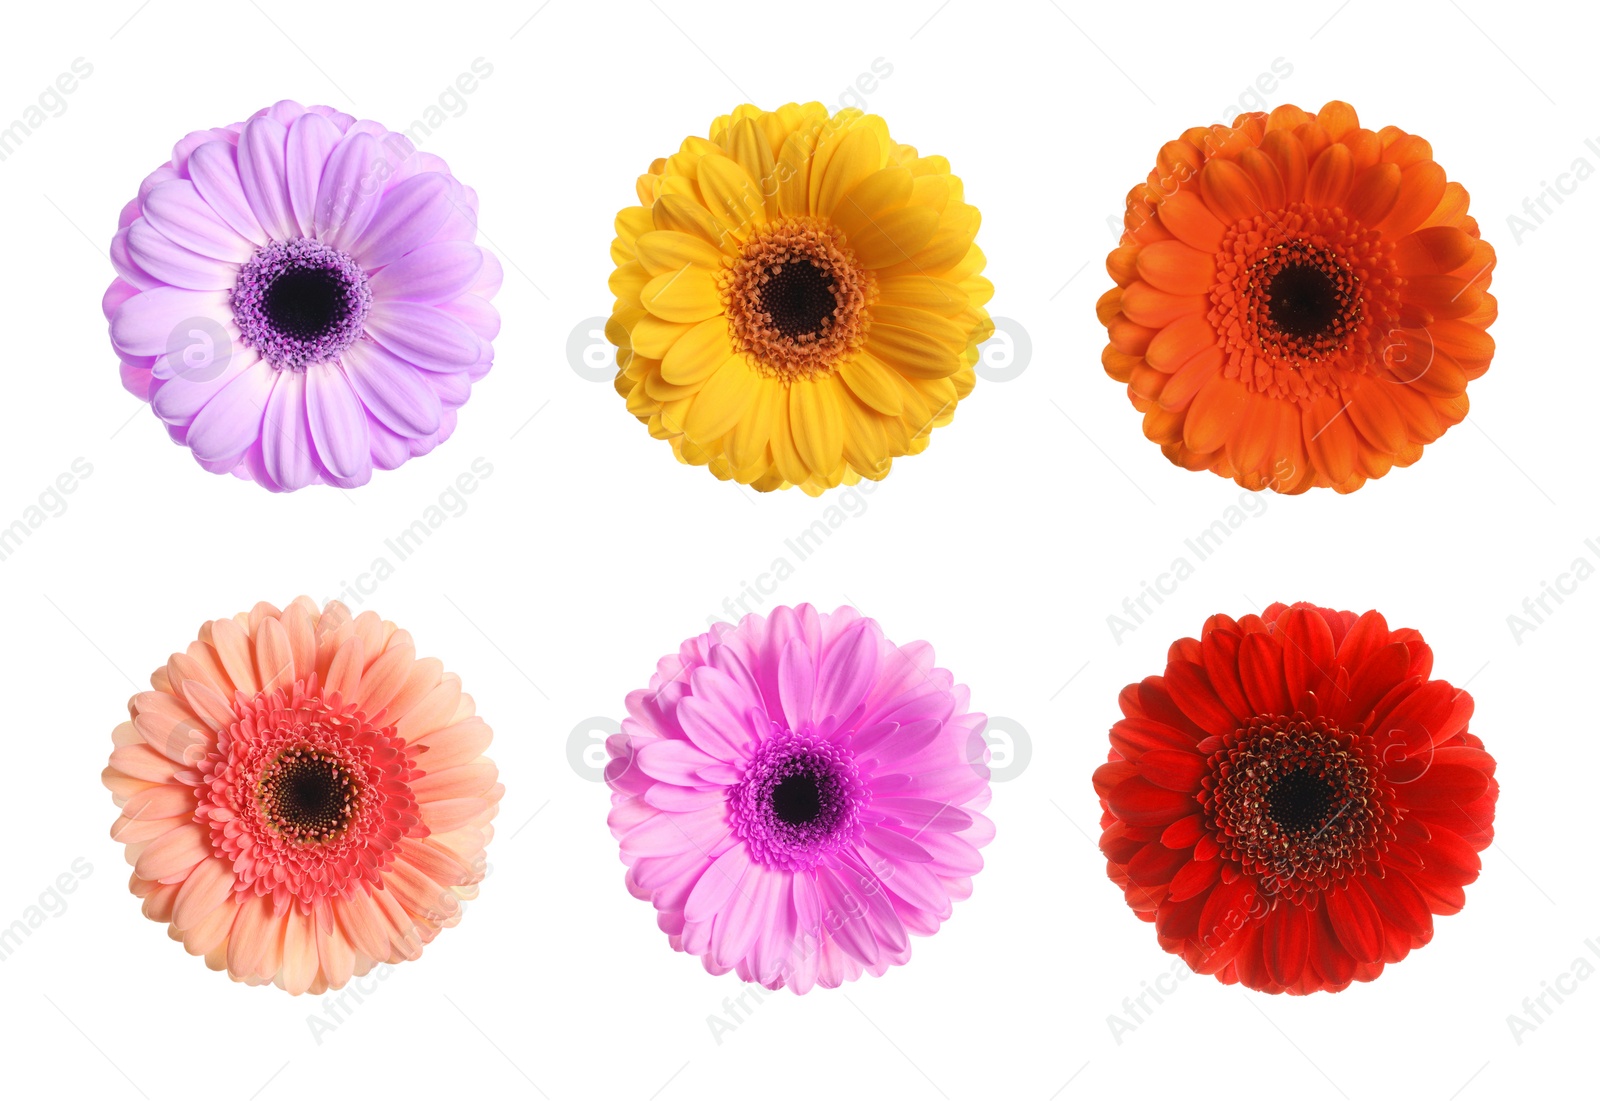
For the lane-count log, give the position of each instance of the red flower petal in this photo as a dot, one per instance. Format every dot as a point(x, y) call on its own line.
point(1140, 803)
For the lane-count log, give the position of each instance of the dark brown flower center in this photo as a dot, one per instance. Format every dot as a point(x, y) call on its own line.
point(797, 299)
point(1304, 300)
point(308, 796)
point(1299, 803)
point(796, 800)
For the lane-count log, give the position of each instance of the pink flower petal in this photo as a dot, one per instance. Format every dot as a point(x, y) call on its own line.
point(796, 683)
point(716, 885)
point(847, 672)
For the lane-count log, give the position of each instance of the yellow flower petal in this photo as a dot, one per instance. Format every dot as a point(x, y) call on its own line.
point(686, 295)
point(698, 352)
point(794, 175)
point(731, 196)
point(685, 214)
point(857, 157)
point(747, 441)
point(721, 401)
point(924, 292)
point(874, 383)
point(896, 237)
point(912, 353)
point(670, 249)
point(866, 445)
point(817, 423)
point(749, 146)
point(653, 337)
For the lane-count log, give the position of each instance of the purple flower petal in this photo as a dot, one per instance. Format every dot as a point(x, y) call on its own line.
point(392, 390)
point(338, 423)
point(230, 422)
point(153, 252)
point(311, 139)
point(215, 172)
point(433, 273)
point(423, 335)
point(476, 313)
point(407, 218)
point(349, 193)
point(144, 325)
point(286, 445)
point(178, 211)
point(261, 172)
point(180, 396)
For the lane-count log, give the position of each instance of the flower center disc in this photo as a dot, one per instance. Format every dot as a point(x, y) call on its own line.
point(798, 801)
point(797, 299)
point(1302, 301)
point(1299, 803)
point(307, 796)
point(300, 302)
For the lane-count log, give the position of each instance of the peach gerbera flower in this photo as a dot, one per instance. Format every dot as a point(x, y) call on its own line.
point(1300, 301)
point(302, 798)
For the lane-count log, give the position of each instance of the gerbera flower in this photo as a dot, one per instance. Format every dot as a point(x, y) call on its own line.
point(1293, 799)
point(299, 298)
point(798, 298)
point(797, 795)
point(1300, 301)
point(302, 797)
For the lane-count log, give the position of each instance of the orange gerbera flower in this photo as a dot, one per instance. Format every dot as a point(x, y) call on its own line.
point(1300, 301)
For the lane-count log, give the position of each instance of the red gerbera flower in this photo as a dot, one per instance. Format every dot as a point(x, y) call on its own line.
point(1294, 799)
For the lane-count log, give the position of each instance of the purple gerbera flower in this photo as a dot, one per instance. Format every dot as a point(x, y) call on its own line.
point(299, 298)
point(797, 795)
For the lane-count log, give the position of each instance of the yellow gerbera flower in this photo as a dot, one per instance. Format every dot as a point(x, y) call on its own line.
point(799, 299)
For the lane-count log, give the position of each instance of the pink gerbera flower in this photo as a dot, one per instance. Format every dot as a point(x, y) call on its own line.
point(299, 298)
point(302, 799)
point(797, 795)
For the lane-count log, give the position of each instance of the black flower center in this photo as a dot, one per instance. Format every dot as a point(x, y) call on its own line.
point(308, 796)
point(796, 799)
point(1302, 800)
point(798, 299)
point(1304, 301)
point(305, 303)
point(300, 302)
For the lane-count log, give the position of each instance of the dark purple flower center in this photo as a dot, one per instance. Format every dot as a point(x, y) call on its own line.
point(798, 801)
point(300, 302)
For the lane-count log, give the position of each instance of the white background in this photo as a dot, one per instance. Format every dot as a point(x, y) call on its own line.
point(589, 552)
